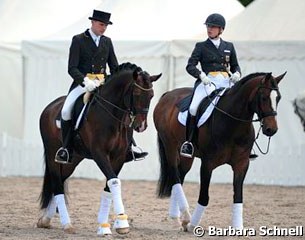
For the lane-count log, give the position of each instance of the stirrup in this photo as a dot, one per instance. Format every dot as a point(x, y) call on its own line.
point(184, 151)
point(60, 159)
point(138, 156)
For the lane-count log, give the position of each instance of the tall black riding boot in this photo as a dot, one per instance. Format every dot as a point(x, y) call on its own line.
point(133, 155)
point(187, 148)
point(63, 155)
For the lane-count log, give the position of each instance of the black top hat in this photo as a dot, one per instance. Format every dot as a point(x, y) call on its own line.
point(101, 16)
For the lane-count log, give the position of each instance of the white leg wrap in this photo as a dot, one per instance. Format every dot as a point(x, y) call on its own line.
point(114, 185)
point(62, 209)
point(178, 193)
point(237, 216)
point(105, 205)
point(197, 214)
point(174, 211)
point(51, 209)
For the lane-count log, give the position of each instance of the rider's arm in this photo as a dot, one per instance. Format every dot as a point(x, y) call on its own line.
point(74, 58)
point(191, 66)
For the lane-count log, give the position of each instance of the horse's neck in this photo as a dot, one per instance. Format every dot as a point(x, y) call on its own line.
point(114, 91)
point(239, 101)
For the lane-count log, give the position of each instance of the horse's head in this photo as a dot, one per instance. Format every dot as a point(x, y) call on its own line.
point(142, 93)
point(265, 100)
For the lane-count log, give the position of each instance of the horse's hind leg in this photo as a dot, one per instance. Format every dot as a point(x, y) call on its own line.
point(240, 171)
point(53, 194)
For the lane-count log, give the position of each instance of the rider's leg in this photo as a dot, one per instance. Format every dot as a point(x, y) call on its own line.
point(201, 91)
point(133, 155)
point(63, 155)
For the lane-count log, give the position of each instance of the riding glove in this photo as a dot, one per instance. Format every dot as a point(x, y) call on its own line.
point(235, 77)
point(205, 80)
point(89, 84)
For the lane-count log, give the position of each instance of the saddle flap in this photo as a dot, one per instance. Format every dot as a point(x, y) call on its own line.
point(79, 112)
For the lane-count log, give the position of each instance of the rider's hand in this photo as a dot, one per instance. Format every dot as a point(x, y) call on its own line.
point(204, 78)
point(97, 83)
point(89, 84)
point(235, 77)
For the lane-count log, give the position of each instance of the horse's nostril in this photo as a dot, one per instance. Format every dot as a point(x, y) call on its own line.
point(270, 131)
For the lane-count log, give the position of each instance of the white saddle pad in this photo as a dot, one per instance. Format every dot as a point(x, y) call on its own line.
point(182, 116)
point(58, 124)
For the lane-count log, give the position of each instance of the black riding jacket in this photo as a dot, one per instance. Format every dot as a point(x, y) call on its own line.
point(212, 59)
point(85, 57)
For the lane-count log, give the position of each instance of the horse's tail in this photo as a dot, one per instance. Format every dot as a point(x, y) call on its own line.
point(47, 187)
point(165, 180)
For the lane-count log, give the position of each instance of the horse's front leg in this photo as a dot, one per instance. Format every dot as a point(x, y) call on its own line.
point(203, 201)
point(121, 221)
point(103, 213)
point(240, 171)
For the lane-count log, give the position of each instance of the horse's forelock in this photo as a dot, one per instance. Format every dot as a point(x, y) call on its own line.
point(123, 69)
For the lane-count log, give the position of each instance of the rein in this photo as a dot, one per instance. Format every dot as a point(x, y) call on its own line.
point(258, 147)
point(99, 100)
point(228, 114)
point(261, 115)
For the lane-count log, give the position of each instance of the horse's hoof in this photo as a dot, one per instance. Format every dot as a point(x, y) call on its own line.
point(121, 225)
point(189, 228)
point(104, 229)
point(185, 219)
point(68, 228)
point(44, 222)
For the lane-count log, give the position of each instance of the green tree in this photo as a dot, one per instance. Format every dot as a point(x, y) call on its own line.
point(245, 2)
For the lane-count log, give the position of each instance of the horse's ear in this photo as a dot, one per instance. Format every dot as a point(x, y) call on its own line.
point(267, 77)
point(279, 78)
point(135, 74)
point(155, 77)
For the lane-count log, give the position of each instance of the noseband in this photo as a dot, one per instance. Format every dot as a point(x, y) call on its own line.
point(259, 98)
point(134, 110)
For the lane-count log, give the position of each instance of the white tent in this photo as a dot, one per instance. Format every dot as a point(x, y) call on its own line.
point(20, 20)
point(155, 19)
point(269, 20)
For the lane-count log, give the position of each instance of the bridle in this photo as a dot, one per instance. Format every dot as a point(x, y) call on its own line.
point(258, 96)
point(130, 109)
point(256, 104)
point(256, 107)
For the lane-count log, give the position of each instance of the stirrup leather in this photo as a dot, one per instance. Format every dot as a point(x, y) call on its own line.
point(187, 149)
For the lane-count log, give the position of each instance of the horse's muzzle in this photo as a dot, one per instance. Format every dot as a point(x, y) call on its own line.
point(268, 131)
point(140, 127)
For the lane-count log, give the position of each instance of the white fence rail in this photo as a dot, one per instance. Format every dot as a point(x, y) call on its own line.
point(18, 158)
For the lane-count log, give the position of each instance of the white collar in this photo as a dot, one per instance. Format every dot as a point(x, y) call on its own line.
point(216, 42)
point(93, 35)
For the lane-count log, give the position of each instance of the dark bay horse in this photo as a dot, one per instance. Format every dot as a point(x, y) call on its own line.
point(226, 137)
point(118, 107)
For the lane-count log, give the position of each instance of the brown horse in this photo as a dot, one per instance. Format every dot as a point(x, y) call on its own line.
point(226, 137)
point(118, 107)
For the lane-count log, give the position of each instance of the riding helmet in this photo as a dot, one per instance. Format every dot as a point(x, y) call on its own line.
point(216, 20)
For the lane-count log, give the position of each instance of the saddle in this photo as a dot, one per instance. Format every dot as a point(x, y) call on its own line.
point(79, 111)
point(184, 104)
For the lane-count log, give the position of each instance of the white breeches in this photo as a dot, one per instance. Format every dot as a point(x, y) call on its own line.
point(202, 90)
point(69, 103)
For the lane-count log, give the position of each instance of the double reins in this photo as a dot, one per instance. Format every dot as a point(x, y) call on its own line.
point(101, 102)
point(261, 115)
